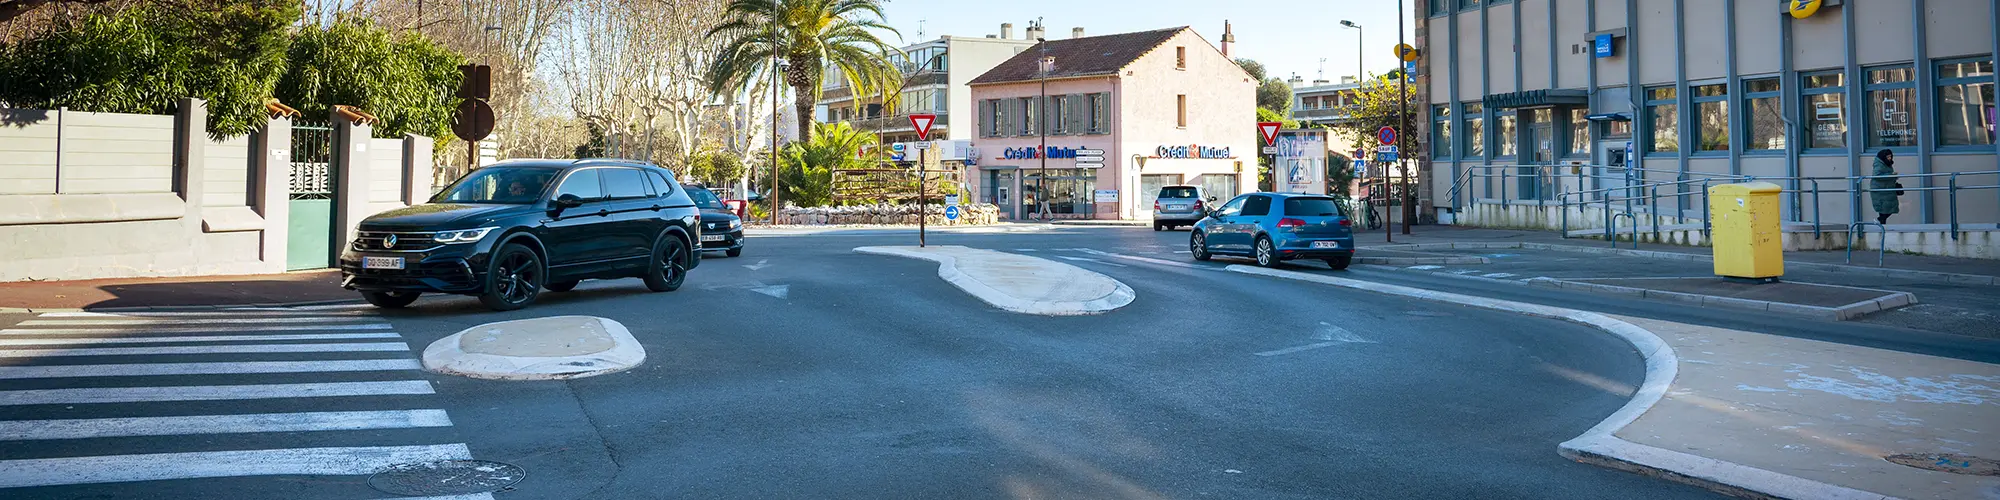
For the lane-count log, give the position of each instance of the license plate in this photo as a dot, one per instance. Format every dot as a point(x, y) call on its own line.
point(1177, 207)
point(711, 237)
point(381, 262)
point(1326, 244)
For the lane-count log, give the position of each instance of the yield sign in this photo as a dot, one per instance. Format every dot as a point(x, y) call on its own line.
point(1269, 131)
point(923, 125)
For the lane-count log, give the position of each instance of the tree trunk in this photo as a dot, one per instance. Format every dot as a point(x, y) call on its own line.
point(803, 99)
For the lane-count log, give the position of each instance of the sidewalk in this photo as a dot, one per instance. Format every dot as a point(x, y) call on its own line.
point(1862, 259)
point(197, 291)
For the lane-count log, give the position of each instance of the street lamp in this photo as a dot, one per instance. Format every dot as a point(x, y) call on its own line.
point(1403, 121)
point(1358, 54)
point(1048, 63)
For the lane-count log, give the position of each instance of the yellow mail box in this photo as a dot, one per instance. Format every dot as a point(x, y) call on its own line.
point(1744, 232)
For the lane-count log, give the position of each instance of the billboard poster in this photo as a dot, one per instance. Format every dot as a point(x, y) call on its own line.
point(1300, 163)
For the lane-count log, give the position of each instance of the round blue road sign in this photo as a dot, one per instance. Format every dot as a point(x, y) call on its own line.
point(951, 213)
point(1387, 135)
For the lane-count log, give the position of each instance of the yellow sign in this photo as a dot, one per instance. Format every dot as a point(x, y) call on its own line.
point(1407, 53)
point(1801, 9)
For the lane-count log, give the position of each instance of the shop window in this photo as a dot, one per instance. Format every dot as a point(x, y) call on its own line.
point(1765, 119)
point(1475, 130)
point(1663, 120)
point(1505, 134)
point(1965, 102)
point(1824, 114)
point(1441, 131)
point(1890, 92)
point(1067, 191)
point(1711, 114)
point(1180, 110)
point(1579, 132)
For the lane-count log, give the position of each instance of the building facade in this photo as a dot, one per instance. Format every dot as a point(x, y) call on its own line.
point(1322, 104)
point(1121, 115)
point(934, 74)
point(1787, 91)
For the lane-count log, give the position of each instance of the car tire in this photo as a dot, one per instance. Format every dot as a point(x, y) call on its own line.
point(513, 278)
point(390, 300)
point(1267, 254)
point(561, 286)
point(1340, 263)
point(1157, 227)
point(1198, 245)
point(668, 269)
point(734, 252)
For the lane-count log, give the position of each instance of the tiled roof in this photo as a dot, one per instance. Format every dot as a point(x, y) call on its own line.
point(1087, 56)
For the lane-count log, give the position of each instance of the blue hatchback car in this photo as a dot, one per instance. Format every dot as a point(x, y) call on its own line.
point(1275, 227)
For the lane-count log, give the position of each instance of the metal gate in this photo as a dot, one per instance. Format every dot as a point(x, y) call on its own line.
point(309, 244)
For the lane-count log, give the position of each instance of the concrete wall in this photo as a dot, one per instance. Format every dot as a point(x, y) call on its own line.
point(1500, 48)
point(227, 179)
point(1958, 27)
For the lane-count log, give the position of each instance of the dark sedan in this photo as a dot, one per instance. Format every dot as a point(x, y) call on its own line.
point(721, 229)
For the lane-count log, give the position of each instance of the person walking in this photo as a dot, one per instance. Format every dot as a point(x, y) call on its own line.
point(1883, 188)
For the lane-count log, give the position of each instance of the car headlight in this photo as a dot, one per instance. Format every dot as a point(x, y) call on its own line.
point(463, 236)
point(735, 223)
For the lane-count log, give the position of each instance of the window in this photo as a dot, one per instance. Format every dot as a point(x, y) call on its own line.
point(1766, 119)
point(1505, 134)
point(1257, 206)
point(661, 186)
point(498, 185)
point(1218, 184)
point(1825, 109)
point(1180, 57)
point(1180, 110)
point(1069, 190)
point(583, 184)
point(1313, 207)
point(1711, 108)
point(1059, 114)
point(1579, 132)
point(1026, 105)
point(1965, 102)
point(1663, 118)
point(1100, 121)
point(1234, 207)
point(1441, 131)
point(1475, 130)
point(705, 199)
point(1468, 4)
point(1890, 94)
point(624, 183)
point(1439, 7)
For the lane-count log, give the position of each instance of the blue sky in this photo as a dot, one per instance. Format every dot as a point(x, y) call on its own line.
point(1288, 37)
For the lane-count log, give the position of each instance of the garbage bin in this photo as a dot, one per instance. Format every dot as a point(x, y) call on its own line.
point(1745, 231)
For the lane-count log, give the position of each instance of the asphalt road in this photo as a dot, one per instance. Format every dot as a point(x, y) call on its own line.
point(803, 370)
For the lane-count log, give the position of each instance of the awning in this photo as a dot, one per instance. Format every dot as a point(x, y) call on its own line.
point(1609, 117)
point(1544, 97)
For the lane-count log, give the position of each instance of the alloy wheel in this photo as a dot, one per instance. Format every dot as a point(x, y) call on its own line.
point(518, 278)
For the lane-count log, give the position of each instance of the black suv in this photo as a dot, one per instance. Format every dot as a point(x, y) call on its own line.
point(721, 229)
point(508, 230)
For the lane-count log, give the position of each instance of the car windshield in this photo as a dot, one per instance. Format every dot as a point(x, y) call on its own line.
point(1312, 207)
point(1177, 192)
point(508, 185)
point(705, 199)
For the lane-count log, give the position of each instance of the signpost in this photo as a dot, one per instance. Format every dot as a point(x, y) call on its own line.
point(951, 213)
point(1387, 135)
point(1269, 131)
point(1385, 154)
point(475, 119)
point(923, 125)
point(1089, 158)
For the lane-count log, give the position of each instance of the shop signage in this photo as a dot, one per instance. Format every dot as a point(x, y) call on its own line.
point(1602, 45)
point(1106, 196)
point(1801, 9)
point(1054, 152)
point(1192, 151)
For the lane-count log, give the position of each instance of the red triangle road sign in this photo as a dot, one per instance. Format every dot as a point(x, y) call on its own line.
point(923, 125)
point(1269, 131)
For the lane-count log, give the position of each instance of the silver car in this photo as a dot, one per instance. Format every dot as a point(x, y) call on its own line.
point(1179, 206)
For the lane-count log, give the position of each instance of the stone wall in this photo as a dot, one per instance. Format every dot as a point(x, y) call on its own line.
point(968, 215)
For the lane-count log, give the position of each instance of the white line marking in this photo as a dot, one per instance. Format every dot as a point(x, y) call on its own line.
point(779, 291)
point(1329, 332)
point(206, 349)
point(1026, 250)
point(332, 307)
point(1497, 275)
point(250, 312)
point(146, 329)
point(64, 341)
point(1087, 259)
point(81, 428)
point(151, 369)
point(163, 466)
point(1148, 260)
point(475, 496)
point(760, 265)
point(1290, 350)
point(212, 392)
point(196, 321)
point(1426, 268)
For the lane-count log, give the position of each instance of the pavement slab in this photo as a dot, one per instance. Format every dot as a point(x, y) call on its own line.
point(1019, 283)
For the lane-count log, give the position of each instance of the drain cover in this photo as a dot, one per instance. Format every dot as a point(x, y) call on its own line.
point(1949, 462)
point(446, 477)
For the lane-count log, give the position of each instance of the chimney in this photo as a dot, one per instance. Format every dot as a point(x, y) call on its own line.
point(1320, 82)
point(1227, 38)
point(1076, 32)
point(1296, 81)
point(1007, 31)
point(1035, 32)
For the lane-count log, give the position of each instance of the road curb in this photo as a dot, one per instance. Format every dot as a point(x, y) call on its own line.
point(1965, 279)
point(447, 355)
point(186, 308)
point(1890, 299)
point(1600, 445)
point(948, 270)
point(1421, 261)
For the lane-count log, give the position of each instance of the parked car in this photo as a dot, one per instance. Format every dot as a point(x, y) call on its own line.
point(1275, 227)
point(506, 231)
point(721, 229)
point(1180, 206)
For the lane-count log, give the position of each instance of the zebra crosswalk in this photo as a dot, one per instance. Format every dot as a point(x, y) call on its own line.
point(102, 398)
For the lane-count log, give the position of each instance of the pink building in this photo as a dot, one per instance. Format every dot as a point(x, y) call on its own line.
point(1123, 115)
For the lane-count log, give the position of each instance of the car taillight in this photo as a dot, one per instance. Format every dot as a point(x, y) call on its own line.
point(1346, 223)
point(1290, 222)
point(1156, 206)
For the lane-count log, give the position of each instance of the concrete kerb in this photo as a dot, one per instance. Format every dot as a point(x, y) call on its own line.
point(553, 348)
point(948, 270)
point(1889, 300)
point(1600, 445)
point(1968, 279)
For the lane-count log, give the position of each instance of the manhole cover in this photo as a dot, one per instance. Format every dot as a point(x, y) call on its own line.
point(446, 477)
point(1949, 462)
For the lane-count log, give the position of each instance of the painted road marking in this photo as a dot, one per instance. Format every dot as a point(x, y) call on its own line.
point(192, 321)
point(760, 265)
point(1426, 268)
point(206, 329)
point(206, 349)
point(1497, 275)
point(164, 466)
point(1148, 260)
point(239, 367)
point(82, 428)
point(1087, 259)
point(241, 312)
point(63, 341)
point(1329, 332)
point(1290, 350)
point(212, 392)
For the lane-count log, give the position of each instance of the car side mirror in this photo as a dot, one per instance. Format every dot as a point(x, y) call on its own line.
point(1211, 198)
point(565, 202)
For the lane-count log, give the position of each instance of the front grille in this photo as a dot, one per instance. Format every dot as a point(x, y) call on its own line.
point(377, 241)
point(454, 274)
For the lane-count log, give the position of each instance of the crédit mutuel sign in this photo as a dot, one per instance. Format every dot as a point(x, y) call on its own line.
point(1191, 151)
point(1028, 153)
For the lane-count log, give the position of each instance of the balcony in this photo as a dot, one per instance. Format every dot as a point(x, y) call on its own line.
point(898, 123)
point(1322, 114)
point(844, 93)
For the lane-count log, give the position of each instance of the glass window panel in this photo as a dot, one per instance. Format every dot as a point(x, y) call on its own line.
point(1505, 134)
point(1714, 116)
point(1965, 114)
point(1767, 124)
point(1889, 123)
point(1891, 75)
point(1825, 80)
point(1764, 85)
point(1441, 133)
point(624, 183)
point(1660, 94)
point(1666, 127)
point(1579, 132)
point(1824, 115)
point(1965, 69)
point(1717, 90)
point(582, 183)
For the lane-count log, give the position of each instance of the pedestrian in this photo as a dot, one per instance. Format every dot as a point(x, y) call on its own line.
point(1884, 190)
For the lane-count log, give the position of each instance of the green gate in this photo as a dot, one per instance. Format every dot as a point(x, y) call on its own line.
point(309, 244)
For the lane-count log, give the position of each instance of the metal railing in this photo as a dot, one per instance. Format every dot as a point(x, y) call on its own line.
point(1630, 186)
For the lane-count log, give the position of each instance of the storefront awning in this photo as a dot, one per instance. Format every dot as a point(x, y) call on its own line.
point(1531, 98)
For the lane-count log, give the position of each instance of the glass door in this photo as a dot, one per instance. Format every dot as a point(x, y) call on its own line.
point(1541, 138)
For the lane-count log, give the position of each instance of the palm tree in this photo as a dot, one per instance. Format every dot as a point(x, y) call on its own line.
point(809, 166)
point(811, 35)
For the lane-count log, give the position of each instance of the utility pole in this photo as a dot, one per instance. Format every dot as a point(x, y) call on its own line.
point(1360, 69)
point(1041, 132)
point(777, 66)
